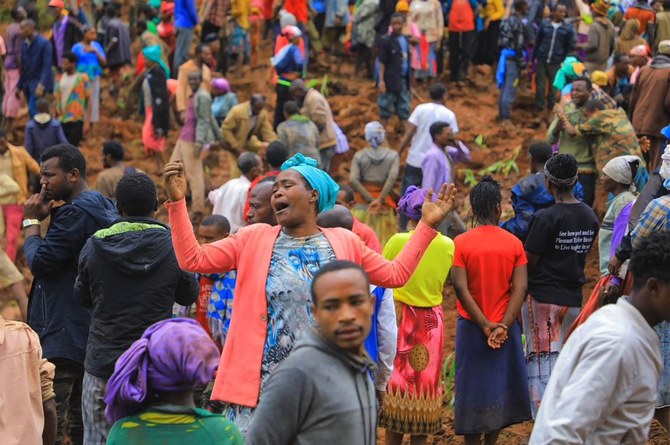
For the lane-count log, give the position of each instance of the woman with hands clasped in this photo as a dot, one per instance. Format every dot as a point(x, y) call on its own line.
point(490, 278)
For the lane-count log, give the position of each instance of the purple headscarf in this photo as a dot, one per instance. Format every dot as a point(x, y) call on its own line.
point(410, 204)
point(221, 84)
point(173, 355)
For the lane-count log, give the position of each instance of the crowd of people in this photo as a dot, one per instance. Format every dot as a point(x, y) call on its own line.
point(292, 305)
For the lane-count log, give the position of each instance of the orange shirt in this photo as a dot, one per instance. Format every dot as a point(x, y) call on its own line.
point(489, 254)
point(645, 16)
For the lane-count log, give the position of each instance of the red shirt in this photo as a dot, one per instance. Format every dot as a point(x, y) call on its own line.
point(299, 9)
point(368, 235)
point(489, 254)
point(461, 16)
point(644, 15)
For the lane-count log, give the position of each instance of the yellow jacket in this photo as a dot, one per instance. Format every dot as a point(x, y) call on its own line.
point(237, 134)
point(22, 163)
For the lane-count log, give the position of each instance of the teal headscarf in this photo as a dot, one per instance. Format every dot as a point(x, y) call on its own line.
point(317, 178)
point(571, 68)
point(154, 54)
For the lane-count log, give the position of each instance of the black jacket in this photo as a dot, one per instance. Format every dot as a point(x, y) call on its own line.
point(130, 277)
point(390, 54)
point(553, 45)
point(55, 314)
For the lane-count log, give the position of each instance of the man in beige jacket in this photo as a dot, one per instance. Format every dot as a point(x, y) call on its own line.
point(246, 128)
point(316, 108)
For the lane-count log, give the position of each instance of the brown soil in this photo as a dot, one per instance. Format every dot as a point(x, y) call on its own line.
point(354, 104)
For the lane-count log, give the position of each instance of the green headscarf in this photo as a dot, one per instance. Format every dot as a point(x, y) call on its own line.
point(154, 54)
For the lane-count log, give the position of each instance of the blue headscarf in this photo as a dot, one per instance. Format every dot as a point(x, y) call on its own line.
point(317, 178)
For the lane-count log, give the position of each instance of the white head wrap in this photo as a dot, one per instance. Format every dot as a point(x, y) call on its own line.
point(665, 165)
point(620, 169)
point(375, 134)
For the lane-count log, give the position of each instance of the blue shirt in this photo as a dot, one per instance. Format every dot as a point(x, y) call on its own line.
point(185, 14)
point(404, 44)
point(88, 62)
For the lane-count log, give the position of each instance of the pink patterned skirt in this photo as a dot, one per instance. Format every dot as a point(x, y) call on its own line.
point(413, 403)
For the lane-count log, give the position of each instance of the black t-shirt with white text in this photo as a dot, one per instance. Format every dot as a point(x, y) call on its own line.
point(561, 235)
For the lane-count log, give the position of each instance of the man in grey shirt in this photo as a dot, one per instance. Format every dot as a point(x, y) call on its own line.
point(323, 392)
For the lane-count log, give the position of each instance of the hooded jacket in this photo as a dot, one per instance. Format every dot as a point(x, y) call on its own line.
point(552, 45)
point(59, 320)
point(129, 276)
point(39, 137)
point(319, 394)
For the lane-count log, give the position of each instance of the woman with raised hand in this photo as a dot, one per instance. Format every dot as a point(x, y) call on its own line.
point(275, 266)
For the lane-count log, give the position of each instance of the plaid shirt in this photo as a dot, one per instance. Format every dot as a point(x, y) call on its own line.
point(656, 216)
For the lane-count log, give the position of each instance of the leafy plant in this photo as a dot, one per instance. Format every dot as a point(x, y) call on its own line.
point(324, 85)
point(479, 140)
point(448, 378)
point(470, 178)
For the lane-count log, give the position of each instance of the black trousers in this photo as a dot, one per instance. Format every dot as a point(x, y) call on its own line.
point(74, 132)
point(460, 52)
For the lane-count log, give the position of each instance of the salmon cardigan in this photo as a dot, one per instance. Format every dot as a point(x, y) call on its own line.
point(249, 251)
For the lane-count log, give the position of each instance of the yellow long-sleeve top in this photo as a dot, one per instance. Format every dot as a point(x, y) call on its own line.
point(494, 10)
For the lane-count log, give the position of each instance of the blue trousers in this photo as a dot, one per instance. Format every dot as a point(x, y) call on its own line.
point(508, 92)
point(182, 47)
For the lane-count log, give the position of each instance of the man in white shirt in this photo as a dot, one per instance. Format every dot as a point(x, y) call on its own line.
point(603, 387)
point(418, 133)
point(228, 200)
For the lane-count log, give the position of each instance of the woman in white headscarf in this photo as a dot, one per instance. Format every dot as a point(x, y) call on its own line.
point(618, 178)
point(373, 173)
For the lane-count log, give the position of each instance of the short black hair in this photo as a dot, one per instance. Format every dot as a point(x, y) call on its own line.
point(199, 47)
point(540, 151)
point(141, 26)
point(211, 37)
point(69, 158)
point(42, 105)
point(593, 105)
point(335, 266)
point(589, 84)
point(136, 194)
point(70, 57)
point(484, 198)
point(651, 259)
point(110, 10)
point(14, 13)
point(437, 91)
point(291, 107)
point(397, 15)
point(348, 192)
point(562, 166)
point(338, 216)
point(115, 149)
point(437, 128)
point(247, 161)
point(221, 222)
point(276, 154)
point(520, 4)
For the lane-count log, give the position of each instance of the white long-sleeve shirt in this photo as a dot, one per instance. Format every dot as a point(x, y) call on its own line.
point(228, 200)
point(603, 388)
